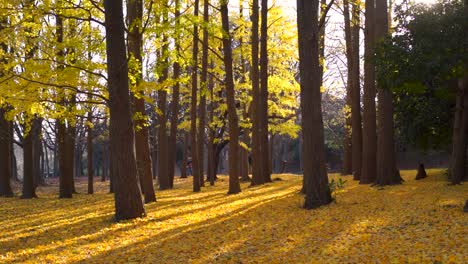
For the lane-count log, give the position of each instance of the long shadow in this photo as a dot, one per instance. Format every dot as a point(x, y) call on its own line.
point(179, 236)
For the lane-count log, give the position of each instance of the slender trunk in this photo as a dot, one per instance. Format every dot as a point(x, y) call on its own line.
point(193, 108)
point(29, 188)
point(317, 192)
point(354, 71)
point(203, 91)
point(89, 141)
point(234, 185)
point(369, 133)
point(128, 202)
point(183, 167)
point(347, 143)
point(211, 131)
point(263, 102)
point(175, 100)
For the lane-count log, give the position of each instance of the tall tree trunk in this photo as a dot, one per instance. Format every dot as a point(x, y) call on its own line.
point(317, 192)
point(193, 107)
point(211, 130)
point(387, 174)
point(460, 131)
point(354, 71)
point(263, 102)
point(203, 92)
point(128, 202)
point(369, 133)
point(6, 137)
point(163, 146)
point(234, 185)
point(347, 143)
point(175, 100)
point(143, 155)
point(257, 154)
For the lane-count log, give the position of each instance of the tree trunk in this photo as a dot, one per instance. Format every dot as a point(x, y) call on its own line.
point(128, 202)
point(211, 130)
point(263, 102)
point(369, 135)
point(183, 166)
point(234, 185)
point(347, 143)
point(257, 154)
point(354, 71)
point(175, 101)
point(193, 108)
point(317, 192)
point(421, 172)
point(5, 155)
point(203, 92)
point(387, 174)
point(143, 155)
point(29, 188)
point(460, 131)
point(89, 141)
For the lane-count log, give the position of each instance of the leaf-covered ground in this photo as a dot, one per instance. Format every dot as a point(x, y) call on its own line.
point(417, 222)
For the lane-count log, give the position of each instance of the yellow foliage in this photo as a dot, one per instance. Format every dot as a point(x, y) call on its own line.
point(417, 222)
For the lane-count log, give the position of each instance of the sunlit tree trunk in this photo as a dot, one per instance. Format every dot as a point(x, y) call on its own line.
point(193, 107)
point(143, 155)
point(234, 185)
point(128, 202)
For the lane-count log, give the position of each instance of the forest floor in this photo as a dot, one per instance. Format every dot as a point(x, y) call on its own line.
point(417, 222)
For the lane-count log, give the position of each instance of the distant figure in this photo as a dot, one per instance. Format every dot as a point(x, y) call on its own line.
point(421, 172)
point(189, 166)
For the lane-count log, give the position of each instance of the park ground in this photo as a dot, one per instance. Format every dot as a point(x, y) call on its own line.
point(417, 222)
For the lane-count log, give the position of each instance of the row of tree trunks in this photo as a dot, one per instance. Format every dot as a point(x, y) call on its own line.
point(317, 192)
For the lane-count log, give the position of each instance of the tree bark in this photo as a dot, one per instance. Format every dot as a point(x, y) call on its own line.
point(203, 92)
point(5, 155)
point(257, 155)
point(387, 174)
point(234, 185)
point(89, 141)
point(175, 104)
point(369, 133)
point(128, 202)
point(354, 71)
point(460, 131)
point(347, 143)
point(193, 108)
point(317, 192)
point(263, 102)
point(143, 155)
